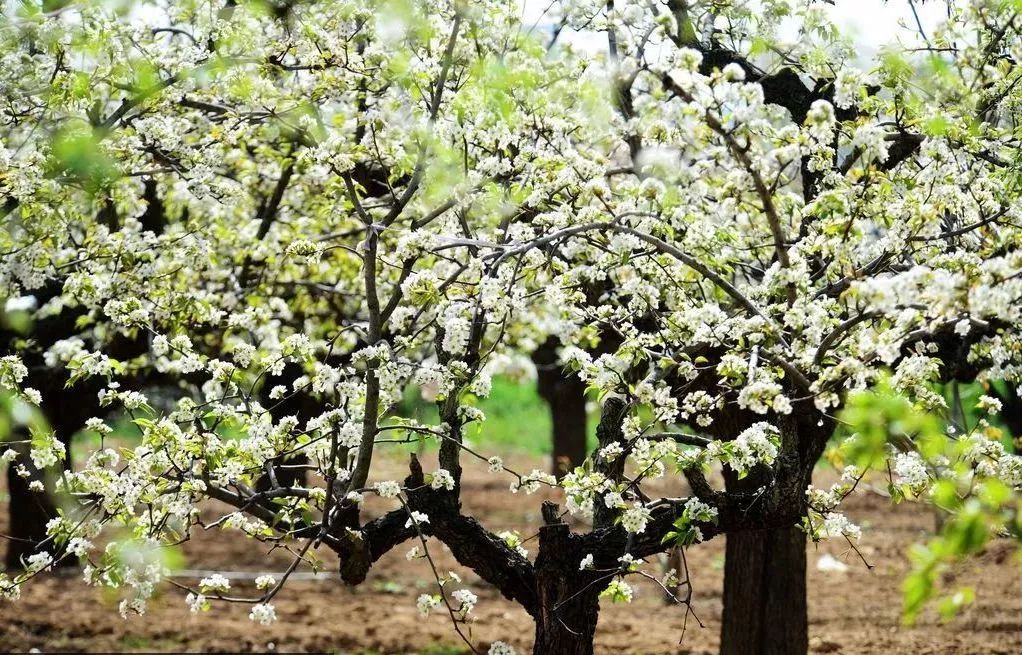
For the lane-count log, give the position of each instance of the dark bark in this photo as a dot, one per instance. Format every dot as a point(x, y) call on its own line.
point(609, 432)
point(29, 511)
point(1011, 409)
point(765, 609)
point(470, 543)
point(569, 605)
point(571, 628)
point(287, 471)
point(783, 87)
point(154, 219)
point(66, 411)
point(565, 394)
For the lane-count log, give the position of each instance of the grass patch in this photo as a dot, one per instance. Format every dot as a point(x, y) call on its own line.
point(144, 644)
point(517, 420)
point(444, 649)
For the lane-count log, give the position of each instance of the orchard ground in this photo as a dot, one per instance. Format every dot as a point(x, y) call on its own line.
point(857, 611)
point(852, 612)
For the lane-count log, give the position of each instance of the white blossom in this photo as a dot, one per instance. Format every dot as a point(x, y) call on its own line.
point(263, 614)
point(635, 518)
point(416, 518)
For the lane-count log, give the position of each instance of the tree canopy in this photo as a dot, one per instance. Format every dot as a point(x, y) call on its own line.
point(252, 226)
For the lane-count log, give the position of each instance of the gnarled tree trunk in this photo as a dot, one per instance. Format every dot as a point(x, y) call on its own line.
point(765, 606)
point(570, 629)
point(569, 606)
point(765, 609)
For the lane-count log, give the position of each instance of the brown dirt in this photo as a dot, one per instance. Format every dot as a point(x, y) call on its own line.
point(856, 612)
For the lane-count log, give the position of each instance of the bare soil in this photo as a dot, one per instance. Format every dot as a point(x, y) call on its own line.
point(854, 612)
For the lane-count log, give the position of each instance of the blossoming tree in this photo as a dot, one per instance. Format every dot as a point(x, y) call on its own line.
point(245, 205)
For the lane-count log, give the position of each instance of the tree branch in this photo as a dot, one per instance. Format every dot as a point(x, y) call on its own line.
point(470, 543)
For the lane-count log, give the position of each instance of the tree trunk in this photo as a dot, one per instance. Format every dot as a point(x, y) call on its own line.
point(765, 609)
point(29, 511)
point(1011, 410)
point(569, 599)
point(65, 412)
point(571, 629)
point(565, 394)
